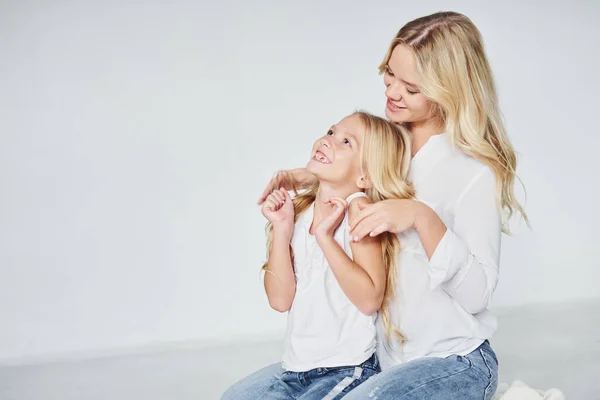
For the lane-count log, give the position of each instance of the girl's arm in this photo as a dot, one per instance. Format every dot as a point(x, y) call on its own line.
point(280, 281)
point(363, 279)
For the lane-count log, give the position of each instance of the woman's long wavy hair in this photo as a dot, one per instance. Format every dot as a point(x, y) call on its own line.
point(456, 76)
point(385, 159)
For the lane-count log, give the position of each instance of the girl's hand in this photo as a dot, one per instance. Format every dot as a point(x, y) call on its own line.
point(328, 225)
point(279, 209)
point(393, 216)
point(301, 177)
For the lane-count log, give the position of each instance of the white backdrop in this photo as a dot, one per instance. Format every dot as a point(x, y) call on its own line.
point(137, 137)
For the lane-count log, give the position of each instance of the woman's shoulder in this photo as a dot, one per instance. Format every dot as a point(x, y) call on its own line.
point(467, 167)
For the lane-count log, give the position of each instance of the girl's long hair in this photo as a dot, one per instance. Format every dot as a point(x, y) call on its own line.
point(385, 158)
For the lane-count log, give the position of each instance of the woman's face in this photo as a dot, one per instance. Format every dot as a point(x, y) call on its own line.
point(405, 102)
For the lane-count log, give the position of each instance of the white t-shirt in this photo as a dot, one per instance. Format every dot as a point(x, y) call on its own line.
point(324, 329)
point(441, 304)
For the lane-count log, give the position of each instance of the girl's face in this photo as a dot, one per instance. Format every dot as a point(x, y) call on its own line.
point(336, 157)
point(405, 102)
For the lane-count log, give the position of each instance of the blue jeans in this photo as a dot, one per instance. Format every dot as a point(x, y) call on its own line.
point(474, 376)
point(321, 383)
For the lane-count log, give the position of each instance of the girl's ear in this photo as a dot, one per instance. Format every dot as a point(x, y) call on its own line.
point(364, 182)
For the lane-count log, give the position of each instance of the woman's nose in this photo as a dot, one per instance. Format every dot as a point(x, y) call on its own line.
point(392, 91)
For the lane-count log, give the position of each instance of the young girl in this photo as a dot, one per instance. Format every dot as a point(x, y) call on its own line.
point(332, 286)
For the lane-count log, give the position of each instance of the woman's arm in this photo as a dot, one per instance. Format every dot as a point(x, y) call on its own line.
point(465, 260)
point(363, 279)
point(283, 179)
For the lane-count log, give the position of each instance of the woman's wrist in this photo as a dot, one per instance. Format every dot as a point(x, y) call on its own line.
point(422, 213)
point(429, 227)
point(302, 177)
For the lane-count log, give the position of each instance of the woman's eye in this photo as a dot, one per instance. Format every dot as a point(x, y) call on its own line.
point(388, 70)
point(330, 132)
point(411, 92)
point(346, 142)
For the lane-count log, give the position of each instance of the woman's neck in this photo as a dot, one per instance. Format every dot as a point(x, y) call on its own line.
point(420, 132)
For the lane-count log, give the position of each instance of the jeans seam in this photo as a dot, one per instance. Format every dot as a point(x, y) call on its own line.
point(442, 377)
point(489, 385)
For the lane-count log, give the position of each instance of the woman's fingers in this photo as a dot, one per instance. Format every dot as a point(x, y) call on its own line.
point(278, 180)
point(265, 194)
point(363, 228)
point(365, 211)
point(385, 227)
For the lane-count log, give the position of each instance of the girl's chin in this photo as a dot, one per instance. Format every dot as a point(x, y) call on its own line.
point(315, 168)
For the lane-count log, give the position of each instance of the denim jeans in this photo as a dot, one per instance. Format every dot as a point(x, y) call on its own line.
point(474, 376)
point(321, 383)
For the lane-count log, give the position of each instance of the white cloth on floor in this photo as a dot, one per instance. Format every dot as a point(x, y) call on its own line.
point(520, 391)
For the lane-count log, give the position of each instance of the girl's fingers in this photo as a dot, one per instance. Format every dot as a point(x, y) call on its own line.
point(270, 204)
point(278, 196)
point(340, 204)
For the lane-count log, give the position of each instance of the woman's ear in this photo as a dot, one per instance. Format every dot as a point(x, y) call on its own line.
point(364, 182)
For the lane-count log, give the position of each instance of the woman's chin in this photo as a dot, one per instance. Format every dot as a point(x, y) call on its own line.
point(395, 117)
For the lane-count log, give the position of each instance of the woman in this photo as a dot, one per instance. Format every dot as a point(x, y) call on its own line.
point(440, 86)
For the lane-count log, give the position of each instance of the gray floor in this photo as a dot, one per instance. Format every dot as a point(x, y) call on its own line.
point(544, 346)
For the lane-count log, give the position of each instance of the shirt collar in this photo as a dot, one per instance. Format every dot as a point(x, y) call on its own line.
point(433, 151)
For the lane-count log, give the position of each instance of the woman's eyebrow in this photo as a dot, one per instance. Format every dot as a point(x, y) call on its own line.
point(410, 84)
point(403, 81)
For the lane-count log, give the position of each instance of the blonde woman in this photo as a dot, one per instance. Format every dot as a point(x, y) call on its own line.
point(330, 286)
point(439, 85)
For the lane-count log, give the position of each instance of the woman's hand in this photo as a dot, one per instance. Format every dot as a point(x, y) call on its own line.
point(393, 216)
point(327, 226)
point(283, 179)
point(279, 209)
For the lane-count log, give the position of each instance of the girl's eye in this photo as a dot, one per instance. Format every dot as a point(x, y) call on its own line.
point(330, 132)
point(346, 142)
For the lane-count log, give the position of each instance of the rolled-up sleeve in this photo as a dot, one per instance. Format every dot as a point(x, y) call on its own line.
point(465, 262)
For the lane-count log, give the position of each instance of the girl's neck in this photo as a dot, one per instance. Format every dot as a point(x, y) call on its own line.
point(420, 132)
point(325, 191)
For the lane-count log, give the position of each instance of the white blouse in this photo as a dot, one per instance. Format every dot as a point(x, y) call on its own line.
point(441, 303)
point(324, 328)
